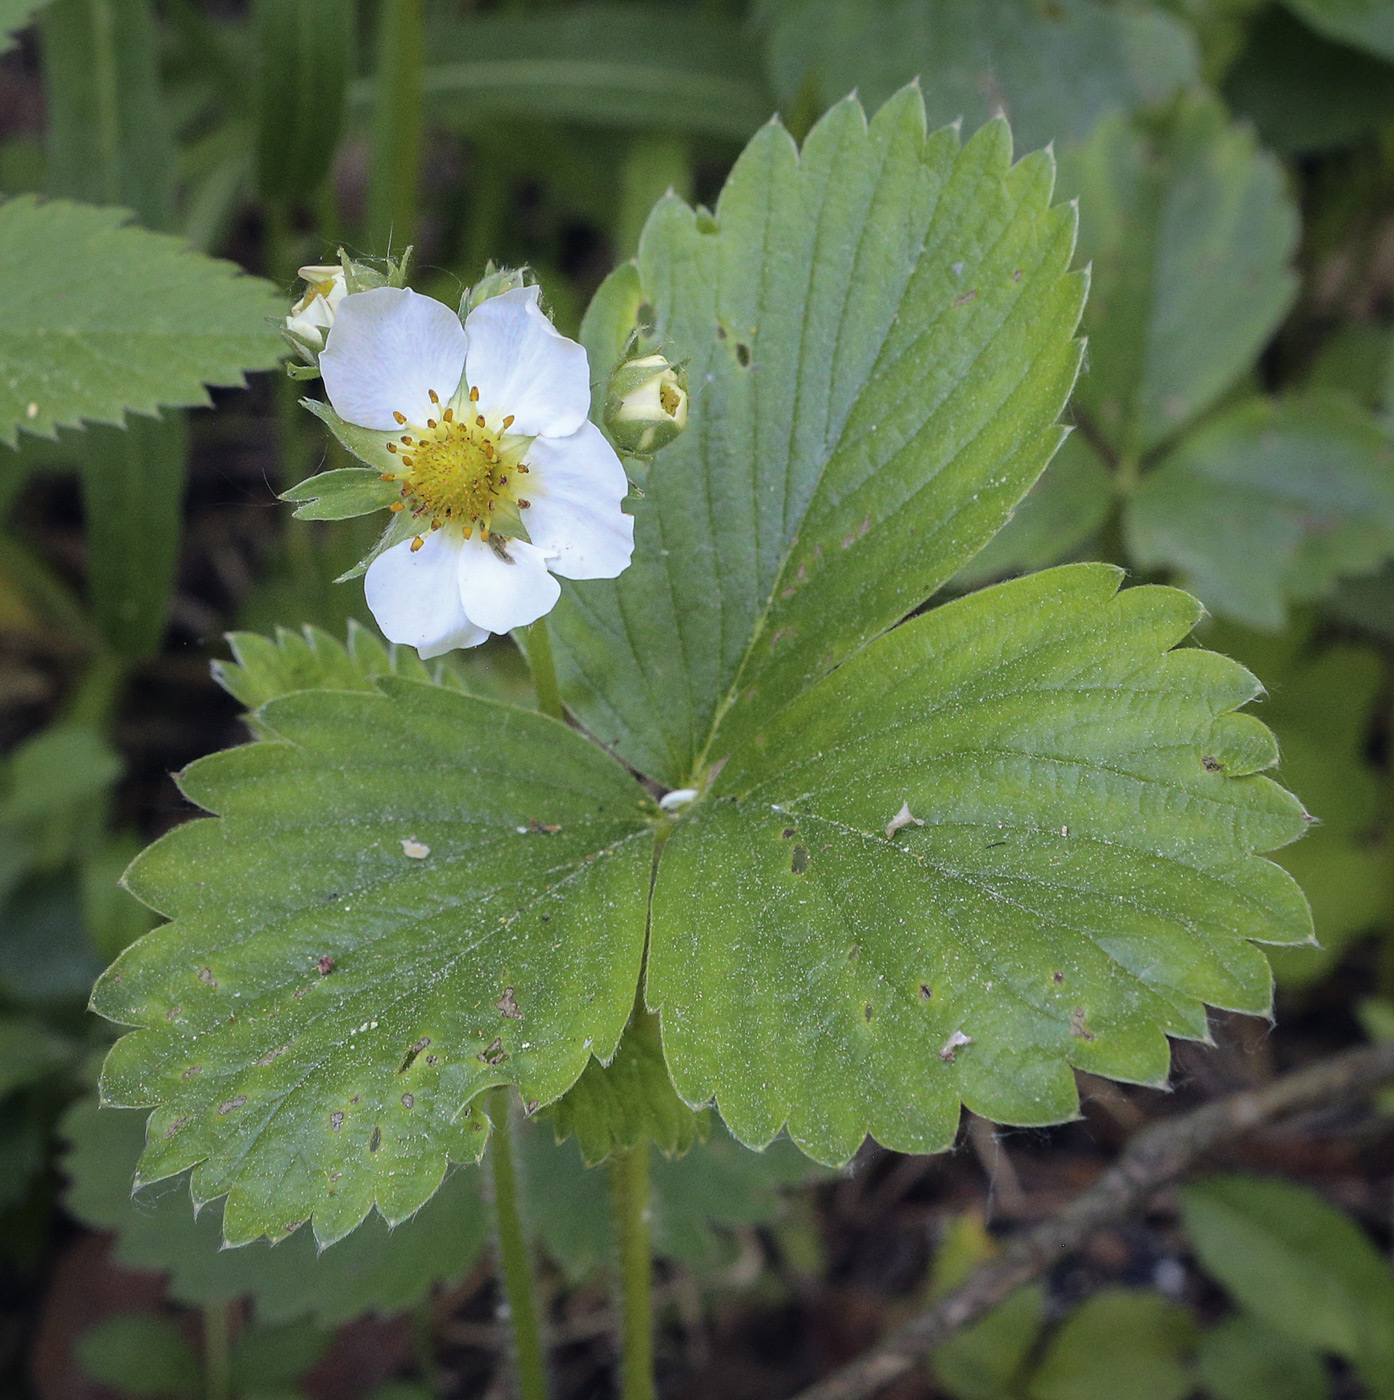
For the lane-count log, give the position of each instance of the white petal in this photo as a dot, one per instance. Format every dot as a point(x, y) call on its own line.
point(416, 597)
point(576, 486)
point(388, 348)
point(504, 593)
point(521, 364)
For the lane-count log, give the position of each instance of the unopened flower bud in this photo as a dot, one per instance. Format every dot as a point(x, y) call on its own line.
point(647, 405)
point(495, 282)
point(307, 326)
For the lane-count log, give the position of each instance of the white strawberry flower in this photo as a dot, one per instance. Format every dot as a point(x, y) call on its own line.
point(312, 316)
point(510, 482)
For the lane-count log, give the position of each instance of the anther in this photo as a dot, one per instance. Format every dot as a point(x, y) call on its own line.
point(484, 533)
point(474, 395)
point(406, 440)
point(397, 505)
point(431, 423)
point(522, 467)
point(469, 533)
point(449, 415)
point(508, 422)
point(407, 462)
point(433, 396)
point(523, 505)
point(391, 446)
point(417, 543)
point(400, 417)
point(388, 476)
point(479, 420)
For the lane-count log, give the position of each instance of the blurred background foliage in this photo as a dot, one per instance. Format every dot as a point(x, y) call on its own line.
point(1234, 433)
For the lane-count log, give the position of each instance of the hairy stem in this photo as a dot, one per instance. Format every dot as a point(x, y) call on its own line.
point(629, 1199)
point(515, 1257)
point(544, 670)
point(217, 1352)
point(1157, 1155)
point(397, 127)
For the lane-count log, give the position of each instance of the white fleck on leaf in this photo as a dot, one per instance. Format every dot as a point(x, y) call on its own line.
point(902, 818)
point(415, 850)
point(949, 1051)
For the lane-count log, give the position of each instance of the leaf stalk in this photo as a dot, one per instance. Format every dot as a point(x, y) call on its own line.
point(629, 1199)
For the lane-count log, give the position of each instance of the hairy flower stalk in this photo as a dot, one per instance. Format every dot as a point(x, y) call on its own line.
point(506, 480)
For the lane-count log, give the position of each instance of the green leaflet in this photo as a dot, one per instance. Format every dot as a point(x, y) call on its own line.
point(410, 896)
point(14, 15)
point(1190, 229)
point(1299, 1265)
point(1267, 502)
point(1368, 24)
point(616, 1107)
point(103, 319)
point(1054, 69)
point(878, 334)
point(1244, 1359)
point(1083, 881)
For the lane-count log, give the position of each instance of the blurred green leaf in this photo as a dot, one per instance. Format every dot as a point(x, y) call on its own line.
point(304, 57)
point(1245, 1359)
point(1270, 502)
point(378, 1269)
point(103, 319)
point(28, 1052)
point(272, 1357)
point(109, 140)
point(1368, 24)
point(1119, 1343)
point(1358, 360)
point(646, 67)
point(46, 958)
point(133, 498)
point(1305, 93)
point(1053, 69)
point(987, 1360)
point(1299, 1265)
point(14, 15)
point(1190, 230)
point(57, 769)
point(1061, 513)
point(140, 1354)
point(628, 1102)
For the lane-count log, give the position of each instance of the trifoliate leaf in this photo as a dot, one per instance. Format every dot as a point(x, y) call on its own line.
point(1269, 502)
point(1368, 24)
point(102, 319)
point(1059, 515)
point(1052, 69)
point(1119, 1342)
point(1015, 836)
point(1298, 1264)
point(377, 1270)
point(14, 15)
point(613, 1108)
point(1190, 230)
point(879, 336)
point(409, 896)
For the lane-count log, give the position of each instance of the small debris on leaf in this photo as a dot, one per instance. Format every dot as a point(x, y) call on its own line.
point(508, 1005)
point(415, 850)
point(949, 1050)
point(325, 965)
point(902, 818)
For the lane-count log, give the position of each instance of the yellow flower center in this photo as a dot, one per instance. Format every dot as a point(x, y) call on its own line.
point(460, 468)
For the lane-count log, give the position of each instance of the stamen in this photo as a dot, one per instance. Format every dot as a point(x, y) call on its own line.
point(430, 422)
point(449, 415)
point(391, 446)
point(407, 462)
point(523, 505)
point(474, 395)
point(397, 505)
point(400, 417)
point(484, 533)
point(522, 467)
point(432, 395)
point(417, 543)
point(406, 440)
point(388, 476)
point(508, 422)
point(469, 534)
point(479, 421)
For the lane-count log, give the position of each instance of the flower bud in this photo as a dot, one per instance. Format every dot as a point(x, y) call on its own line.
point(307, 326)
point(647, 405)
point(494, 283)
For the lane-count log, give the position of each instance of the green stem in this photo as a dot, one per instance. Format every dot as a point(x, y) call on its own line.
point(514, 1255)
point(217, 1353)
point(544, 670)
point(629, 1199)
point(397, 126)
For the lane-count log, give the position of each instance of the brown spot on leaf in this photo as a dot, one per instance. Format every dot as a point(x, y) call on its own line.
point(1057, 978)
point(375, 1141)
point(336, 1120)
point(408, 1100)
point(191, 1071)
point(1077, 1027)
point(966, 298)
point(1211, 764)
point(926, 991)
point(800, 861)
point(868, 1011)
point(494, 1053)
point(412, 1052)
point(226, 1108)
point(206, 977)
point(325, 965)
point(508, 1006)
point(173, 1013)
point(275, 1054)
point(545, 827)
point(175, 1127)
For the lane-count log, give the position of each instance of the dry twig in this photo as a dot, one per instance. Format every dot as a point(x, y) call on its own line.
point(1157, 1155)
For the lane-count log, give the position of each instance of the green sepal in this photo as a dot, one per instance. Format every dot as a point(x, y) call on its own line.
point(617, 1106)
point(342, 494)
point(369, 445)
